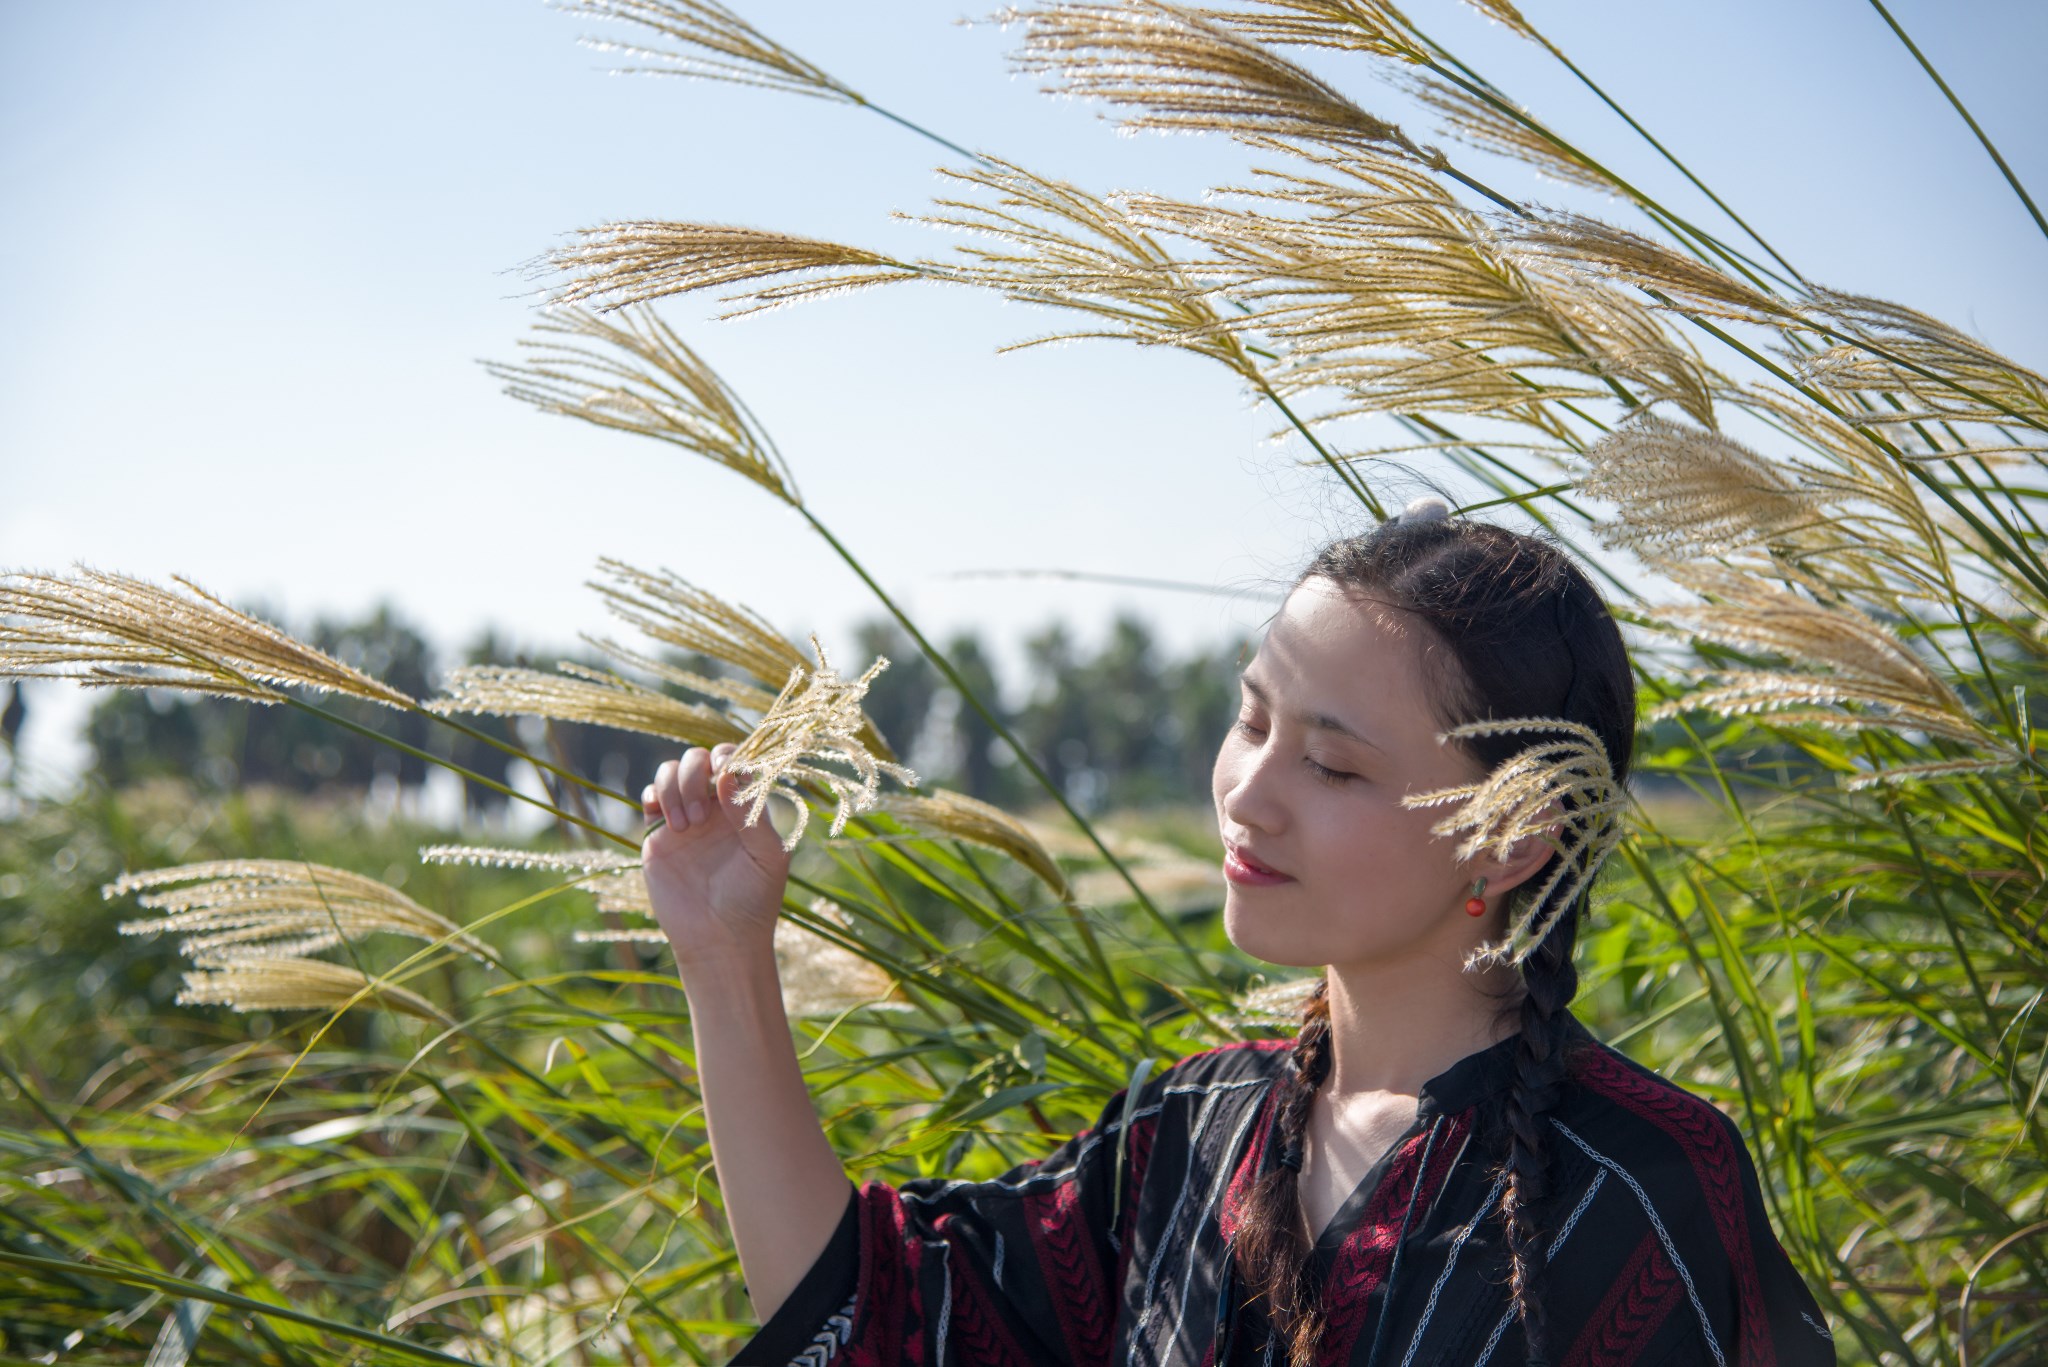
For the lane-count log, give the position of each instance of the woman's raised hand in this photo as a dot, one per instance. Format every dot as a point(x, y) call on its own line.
point(715, 882)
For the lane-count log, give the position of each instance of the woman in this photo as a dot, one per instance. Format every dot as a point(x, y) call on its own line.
point(1443, 1167)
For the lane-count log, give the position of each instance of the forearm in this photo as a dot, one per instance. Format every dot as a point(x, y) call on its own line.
point(783, 1185)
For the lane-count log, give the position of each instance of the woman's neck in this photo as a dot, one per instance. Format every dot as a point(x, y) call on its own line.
point(1393, 1028)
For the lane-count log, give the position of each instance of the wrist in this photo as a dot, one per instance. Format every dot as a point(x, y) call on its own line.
point(731, 971)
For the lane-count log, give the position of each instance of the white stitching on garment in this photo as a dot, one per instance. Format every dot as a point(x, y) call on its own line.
point(1457, 1246)
point(1670, 1250)
point(1557, 1241)
point(829, 1340)
point(945, 1304)
point(1224, 1172)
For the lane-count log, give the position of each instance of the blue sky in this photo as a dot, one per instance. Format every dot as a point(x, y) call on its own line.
point(257, 250)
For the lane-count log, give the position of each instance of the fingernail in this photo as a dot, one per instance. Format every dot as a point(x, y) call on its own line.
point(695, 811)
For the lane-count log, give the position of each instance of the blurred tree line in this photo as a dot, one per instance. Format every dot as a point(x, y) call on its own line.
point(1120, 727)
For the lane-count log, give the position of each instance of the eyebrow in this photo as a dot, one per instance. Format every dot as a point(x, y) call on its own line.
point(1321, 721)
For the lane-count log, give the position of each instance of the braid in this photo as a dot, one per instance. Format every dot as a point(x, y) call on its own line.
point(1551, 981)
point(1272, 1244)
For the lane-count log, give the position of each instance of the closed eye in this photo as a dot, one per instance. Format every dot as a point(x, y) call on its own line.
point(1334, 777)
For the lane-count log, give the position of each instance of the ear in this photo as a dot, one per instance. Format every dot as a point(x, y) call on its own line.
point(1525, 857)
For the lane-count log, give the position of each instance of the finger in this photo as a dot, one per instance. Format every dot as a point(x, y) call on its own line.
point(670, 796)
point(650, 805)
point(693, 778)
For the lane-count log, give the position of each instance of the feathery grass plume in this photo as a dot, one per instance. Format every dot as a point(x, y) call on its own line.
point(1684, 491)
point(1867, 664)
point(1370, 26)
point(817, 715)
point(1478, 124)
point(1912, 336)
point(1380, 284)
point(1505, 13)
point(631, 262)
point(726, 690)
point(582, 695)
point(1566, 247)
point(552, 861)
point(1274, 1005)
point(232, 910)
point(642, 378)
point(114, 631)
point(1186, 73)
point(1514, 802)
point(289, 984)
point(1078, 251)
point(944, 813)
point(738, 52)
point(668, 608)
point(820, 978)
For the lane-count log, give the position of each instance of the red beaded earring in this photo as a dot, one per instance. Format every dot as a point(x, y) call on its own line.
point(1473, 905)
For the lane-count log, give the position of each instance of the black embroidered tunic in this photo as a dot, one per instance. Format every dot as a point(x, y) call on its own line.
point(1115, 1247)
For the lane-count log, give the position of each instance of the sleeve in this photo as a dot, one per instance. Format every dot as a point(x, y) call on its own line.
point(1019, 1269)
point(1762, 1314)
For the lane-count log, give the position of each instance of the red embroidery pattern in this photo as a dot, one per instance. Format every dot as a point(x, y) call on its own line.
point(1142, 1132)
point(889, 1260)
point(1072, 1271)
point(975, 1325)
point(1368, 1250)
point(1697, 1128)
point(1238, 1193)
point(1643, 1296)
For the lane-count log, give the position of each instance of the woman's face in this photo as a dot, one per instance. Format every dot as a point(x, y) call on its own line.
point(1333, 728)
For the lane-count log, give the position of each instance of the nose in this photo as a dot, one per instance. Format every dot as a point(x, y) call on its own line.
point(1246, 794)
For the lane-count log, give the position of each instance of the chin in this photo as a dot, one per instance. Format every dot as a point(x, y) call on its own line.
point(1270, 938)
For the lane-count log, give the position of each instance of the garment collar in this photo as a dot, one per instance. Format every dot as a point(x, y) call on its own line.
point(1479, 1076)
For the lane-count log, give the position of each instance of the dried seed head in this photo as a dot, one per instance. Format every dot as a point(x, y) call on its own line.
point(237, 910)
point(1186, 73)
point(636, 261)
point(1525, 796)
point(1275, 1005)
point(942, 812)
point(1566, 245)
point(1061, 246)
point(817, 716)
point(717, 45)
point(583, 695)
point(1867, 666)
point(1370, 26)
point(822, 978)
point(110, 630)
point(288, 984)
point(1949, 363)
point(635, 375)
point(1686, 491)
point(553, 861)
point(671, 610)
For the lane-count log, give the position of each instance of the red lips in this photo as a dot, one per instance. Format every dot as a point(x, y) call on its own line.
point(1239, 866)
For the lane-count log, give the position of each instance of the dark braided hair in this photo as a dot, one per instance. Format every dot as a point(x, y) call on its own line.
point(1520, 631)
